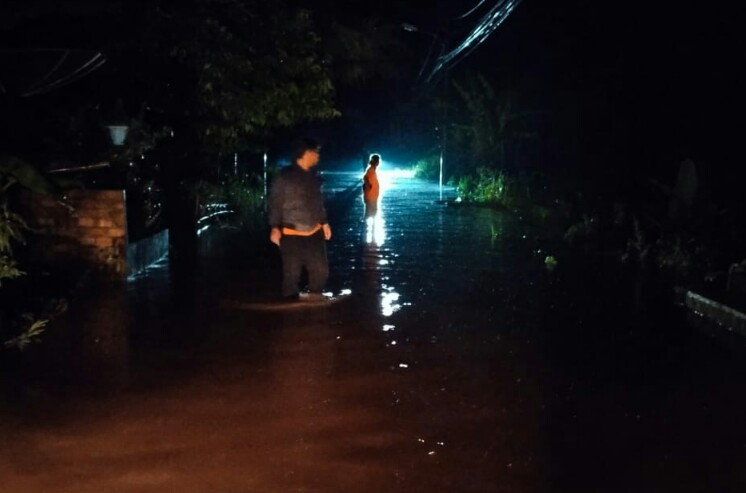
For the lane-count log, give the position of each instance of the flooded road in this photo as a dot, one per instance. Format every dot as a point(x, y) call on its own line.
point(457, 364)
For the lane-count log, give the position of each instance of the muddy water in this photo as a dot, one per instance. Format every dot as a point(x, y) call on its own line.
point(457, 363)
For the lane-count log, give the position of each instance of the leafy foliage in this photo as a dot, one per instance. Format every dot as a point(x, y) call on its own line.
point(488, 186)
point(13, 171)
point(229, 71)
point(363, 52)
point(243, 195)
point(31, 332)
point(428, 167)
point(583, 230)
point(11, 227)
point(489, 123)
point(16, 173)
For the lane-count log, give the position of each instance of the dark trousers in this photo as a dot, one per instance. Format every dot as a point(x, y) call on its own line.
point(299, 252)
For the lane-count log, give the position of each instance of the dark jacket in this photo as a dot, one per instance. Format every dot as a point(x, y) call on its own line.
point(295, 200)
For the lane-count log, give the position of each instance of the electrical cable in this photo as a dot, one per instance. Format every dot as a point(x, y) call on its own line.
point(464, 16)
point(92, 64)
point(486, 26)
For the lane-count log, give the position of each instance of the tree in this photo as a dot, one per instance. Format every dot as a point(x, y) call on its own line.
point(490, 123)
point(223, 76)
point(228, 72)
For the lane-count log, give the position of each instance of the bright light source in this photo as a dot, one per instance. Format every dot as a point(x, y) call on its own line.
point(398, 173)
point(118, 134)
point(386, 177)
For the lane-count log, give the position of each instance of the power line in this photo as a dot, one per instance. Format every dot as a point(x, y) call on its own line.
point(427, 58)
point(92, 64)
point(68, 67)
point(473, 9)
point(486, 26)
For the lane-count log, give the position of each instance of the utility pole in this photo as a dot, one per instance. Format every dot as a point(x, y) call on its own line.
point(444, 128)
point(264, 179)
point(438, 37)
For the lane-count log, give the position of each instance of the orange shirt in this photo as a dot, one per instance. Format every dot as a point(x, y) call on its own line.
point(371, 193)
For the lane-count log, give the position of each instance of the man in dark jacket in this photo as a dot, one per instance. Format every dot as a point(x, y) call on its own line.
point(297, 218)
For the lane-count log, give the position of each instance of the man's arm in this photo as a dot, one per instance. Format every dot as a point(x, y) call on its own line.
point(274, 205)
point(275, 235)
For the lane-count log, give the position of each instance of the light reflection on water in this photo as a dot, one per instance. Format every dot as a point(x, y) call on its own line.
point(375, 256)
point(389, 303)
point(396, 259)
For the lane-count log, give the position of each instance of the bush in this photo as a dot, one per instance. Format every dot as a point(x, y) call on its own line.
point(489, 187)
point(243, 195)
point(586, 229)
point(18, 328)
point(428, 168)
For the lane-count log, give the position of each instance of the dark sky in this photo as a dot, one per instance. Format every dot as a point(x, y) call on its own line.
point(655, 82)
point(649, 81)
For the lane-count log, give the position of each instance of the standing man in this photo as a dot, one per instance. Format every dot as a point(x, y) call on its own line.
point(371, 188)
point(297, 218)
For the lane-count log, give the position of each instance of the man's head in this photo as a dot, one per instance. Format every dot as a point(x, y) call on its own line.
point(375, 160)
point(307, 153)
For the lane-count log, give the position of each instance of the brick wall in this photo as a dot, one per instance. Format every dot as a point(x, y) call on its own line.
point(84, 225)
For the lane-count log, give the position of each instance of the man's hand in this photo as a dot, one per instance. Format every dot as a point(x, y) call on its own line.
point(275, 235)
point(327, 231)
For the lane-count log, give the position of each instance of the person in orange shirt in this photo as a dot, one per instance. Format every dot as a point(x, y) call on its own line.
point(371, 187)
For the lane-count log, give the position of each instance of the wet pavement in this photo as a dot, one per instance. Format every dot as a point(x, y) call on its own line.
point(457, 364)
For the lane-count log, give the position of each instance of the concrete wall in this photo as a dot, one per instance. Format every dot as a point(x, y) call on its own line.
point(83, 225)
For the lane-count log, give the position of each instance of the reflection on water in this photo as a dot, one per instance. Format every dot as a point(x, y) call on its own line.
point(90, 344)
point(375, 230)
point(376, 257)
point(389, 302)
point(115, 333)
point(491, 383)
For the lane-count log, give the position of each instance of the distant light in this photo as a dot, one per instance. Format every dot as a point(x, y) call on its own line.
point(118, 134)
point(396, 173)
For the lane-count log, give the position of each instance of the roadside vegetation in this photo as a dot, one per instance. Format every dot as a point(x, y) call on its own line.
point(680, 232)
point(25, 311)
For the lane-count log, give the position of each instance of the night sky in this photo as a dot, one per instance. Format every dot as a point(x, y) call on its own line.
point(662, 79)
point(645, 84)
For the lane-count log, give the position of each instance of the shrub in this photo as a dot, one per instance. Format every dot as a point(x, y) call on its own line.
point(488, 186)
point(583, 230)
point(428, 168)
point(17, 331)
point(243, 195)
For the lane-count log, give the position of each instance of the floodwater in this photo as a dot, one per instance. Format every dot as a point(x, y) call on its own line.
point(458, 363)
